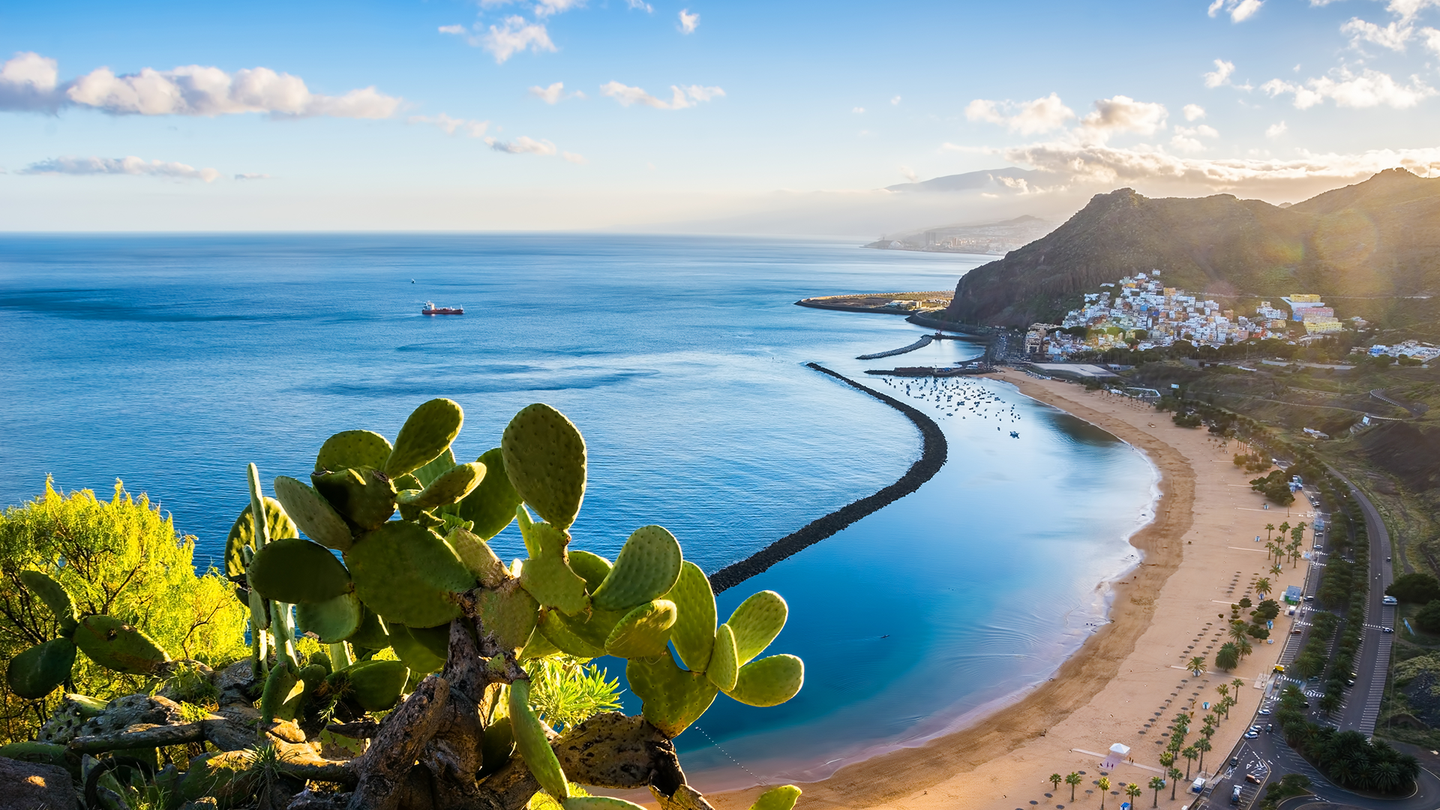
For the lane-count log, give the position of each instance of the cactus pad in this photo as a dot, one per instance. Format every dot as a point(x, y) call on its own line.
point(281, 688)
point(545, 462)
point(425, 435)
point(242, 533)
point(38, 671)
point(478, 558)
point(533, 744)
point(769, 681)
point(113, 644)
point(434, 468)
point(317, 518)
point(694, 630)
point(756, 623)
point(55, 597)
point(371, 634)
point(295, 571)
point(374, 685)
point(647, 568)
point(547, 575)
point(364, 496)
point(724, 667)
point(673, 697)
point(598, 803)
point(447, 488)
point(352, 448)
point(538, 646)
point(420, 658)
point(491, 505)
point(580, 636)
point(643, 632)
point(333, 620)
point(591, 567)
point(407, 573)
point(509, 612)
point(776, 798)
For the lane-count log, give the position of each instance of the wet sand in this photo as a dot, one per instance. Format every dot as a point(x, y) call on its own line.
point(1128, 679)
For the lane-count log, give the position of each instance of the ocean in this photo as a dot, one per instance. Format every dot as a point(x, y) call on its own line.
point(171, 361)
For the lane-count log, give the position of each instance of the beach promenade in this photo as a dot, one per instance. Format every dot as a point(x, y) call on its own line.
point(1129, 680)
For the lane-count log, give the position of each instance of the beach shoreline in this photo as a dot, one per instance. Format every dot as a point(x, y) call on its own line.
point(1006, 750)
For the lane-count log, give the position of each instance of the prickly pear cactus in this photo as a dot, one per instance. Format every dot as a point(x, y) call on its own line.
point(403, 579)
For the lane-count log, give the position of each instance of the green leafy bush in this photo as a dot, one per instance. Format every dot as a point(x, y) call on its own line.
point(1417, 588)
point(121, 558)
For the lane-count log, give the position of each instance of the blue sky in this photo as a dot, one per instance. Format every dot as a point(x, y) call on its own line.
point(447, 114)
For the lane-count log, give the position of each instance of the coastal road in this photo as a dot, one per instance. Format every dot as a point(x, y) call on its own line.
point(1372, 661)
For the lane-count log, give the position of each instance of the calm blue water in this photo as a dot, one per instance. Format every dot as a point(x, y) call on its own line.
point(172, 361)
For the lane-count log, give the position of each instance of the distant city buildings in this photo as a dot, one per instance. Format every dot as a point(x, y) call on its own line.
point(1409, 348)
point(1139, 311)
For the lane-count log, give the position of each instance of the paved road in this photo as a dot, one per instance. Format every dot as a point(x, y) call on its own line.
point(1372, 662)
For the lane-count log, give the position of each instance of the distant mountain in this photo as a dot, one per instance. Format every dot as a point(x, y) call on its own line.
point(970, 181)
point(1371, 249)
point(990, 237)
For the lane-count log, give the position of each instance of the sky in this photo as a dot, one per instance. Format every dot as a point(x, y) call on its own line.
point(644, 115)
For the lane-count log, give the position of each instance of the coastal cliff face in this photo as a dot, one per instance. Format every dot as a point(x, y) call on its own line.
point(1368, 245)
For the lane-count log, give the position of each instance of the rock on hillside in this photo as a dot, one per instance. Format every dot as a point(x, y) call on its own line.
point(1372, 249)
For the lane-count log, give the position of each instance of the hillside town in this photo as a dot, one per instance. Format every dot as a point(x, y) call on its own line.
point(1140, 312)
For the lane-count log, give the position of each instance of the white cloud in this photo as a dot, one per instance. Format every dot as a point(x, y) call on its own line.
point(1124, 114)
point(554, 94)
point(1239, 10)
point(452, 29)
point(857, 110)
point(1187, 139)
point(128, 165)
point(1026, 117)
point(1220, 75)
point(1406, 10)
point(1275, 130)
point(1109, 166)
point(1193, 112)
point(681, 98)
point(1393, 36)
point(640, 5)
point(546, 8)
point(895, 101)
point(30, 82)
point(1370, 89)
point(466, 127)
point(909, 174)
point(1432, 38)
point(688, 22)
point(252, 176)
point(574, 158)
point(513, 35)
point(522, 146)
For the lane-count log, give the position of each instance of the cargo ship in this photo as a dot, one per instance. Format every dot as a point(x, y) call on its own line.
point(431, 309)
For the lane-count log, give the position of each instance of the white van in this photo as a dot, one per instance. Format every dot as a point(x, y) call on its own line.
point(1198, 786)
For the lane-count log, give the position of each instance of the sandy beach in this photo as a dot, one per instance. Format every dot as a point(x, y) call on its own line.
point(1129, 679)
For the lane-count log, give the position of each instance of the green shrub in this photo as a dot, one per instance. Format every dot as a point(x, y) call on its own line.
point(120, 557)
point(1428, 619)
point(1417, 588)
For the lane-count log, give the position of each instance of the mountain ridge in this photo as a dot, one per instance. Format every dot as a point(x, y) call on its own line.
point(1373, 246)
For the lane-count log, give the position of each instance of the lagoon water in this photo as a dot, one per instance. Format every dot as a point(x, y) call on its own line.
point(171, 361)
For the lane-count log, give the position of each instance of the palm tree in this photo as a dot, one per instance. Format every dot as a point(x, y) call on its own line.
point(1203, 746)
point(1132, 790)
point(1056, 779)
point(1224, 690)
point(1277, 568)
point(1197, 665)
point(1244, 647)
point(1190, 754)
point(1237, 630)
point(1174, 774)
point(1269, 527)
point(1237, 683)
point(1073, 780)
point(1156, 784)
point(1104, 785)
point(1262, 587)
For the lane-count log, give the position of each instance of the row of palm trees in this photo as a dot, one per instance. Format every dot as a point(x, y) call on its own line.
point(1281, 550)
point(1132, 789)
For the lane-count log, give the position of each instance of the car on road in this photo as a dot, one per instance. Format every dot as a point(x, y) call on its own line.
point(1263, 712)
point(1309, 599)
point(1387, 629)
point(1252, 779)
point(1250, 735)
point(1390, 600)
point(1235, 795)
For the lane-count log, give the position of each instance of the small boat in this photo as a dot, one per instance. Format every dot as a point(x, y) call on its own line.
point(1014, 434)
point(431, 309)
